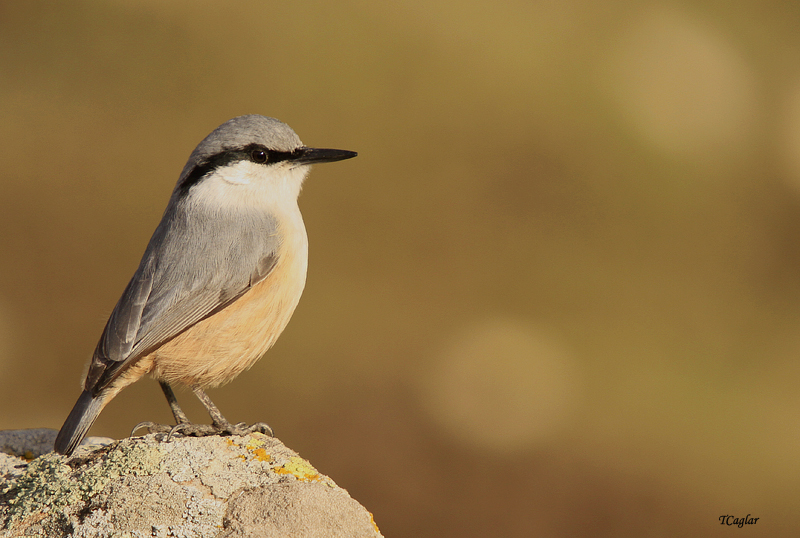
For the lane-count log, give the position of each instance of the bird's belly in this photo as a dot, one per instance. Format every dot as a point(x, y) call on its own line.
point(220, 347)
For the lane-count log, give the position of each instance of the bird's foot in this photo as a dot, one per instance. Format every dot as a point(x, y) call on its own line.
point(189, 429)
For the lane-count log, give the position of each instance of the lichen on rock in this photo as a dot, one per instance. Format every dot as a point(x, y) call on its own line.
point(199, 487)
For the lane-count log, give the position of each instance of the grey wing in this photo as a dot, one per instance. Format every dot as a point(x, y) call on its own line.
point(188, 272)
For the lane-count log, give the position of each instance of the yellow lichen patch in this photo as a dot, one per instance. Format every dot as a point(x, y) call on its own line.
point(261, 455)
point(372, 520)
point(254, 447)
point(254, 442)
point(300, 468)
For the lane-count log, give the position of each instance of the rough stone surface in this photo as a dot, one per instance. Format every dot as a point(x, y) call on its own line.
point(187, 487)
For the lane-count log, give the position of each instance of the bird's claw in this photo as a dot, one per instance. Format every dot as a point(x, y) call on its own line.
point(152, 427)
point(261, 427)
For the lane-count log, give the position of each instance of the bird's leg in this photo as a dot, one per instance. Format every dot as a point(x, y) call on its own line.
point(216, 417)
point(177, 412)
point(221, 424)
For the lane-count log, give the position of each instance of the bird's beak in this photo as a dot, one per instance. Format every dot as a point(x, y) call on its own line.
point(319, 155)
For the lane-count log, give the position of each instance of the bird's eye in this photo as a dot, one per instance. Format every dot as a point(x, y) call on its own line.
point(258, 156)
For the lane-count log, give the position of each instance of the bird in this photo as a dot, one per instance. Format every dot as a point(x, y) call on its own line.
point(218, 281)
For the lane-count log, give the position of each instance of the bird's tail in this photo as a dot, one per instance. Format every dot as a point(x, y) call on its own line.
point(79, 421)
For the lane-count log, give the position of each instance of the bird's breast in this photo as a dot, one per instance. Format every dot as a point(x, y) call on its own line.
point(220, 347)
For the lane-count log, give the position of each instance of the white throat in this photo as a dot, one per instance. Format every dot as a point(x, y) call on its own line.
point(247, 184)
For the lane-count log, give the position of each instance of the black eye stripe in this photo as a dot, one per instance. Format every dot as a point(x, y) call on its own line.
point(251, 152)
point(270, 156)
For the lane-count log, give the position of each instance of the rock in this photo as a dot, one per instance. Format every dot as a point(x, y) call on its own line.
point(193, 487)
point(33, 443)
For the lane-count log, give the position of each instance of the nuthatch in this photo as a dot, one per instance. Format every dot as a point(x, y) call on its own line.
point(218, 281)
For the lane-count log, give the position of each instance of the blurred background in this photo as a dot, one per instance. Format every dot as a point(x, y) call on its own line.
point(557, 294)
